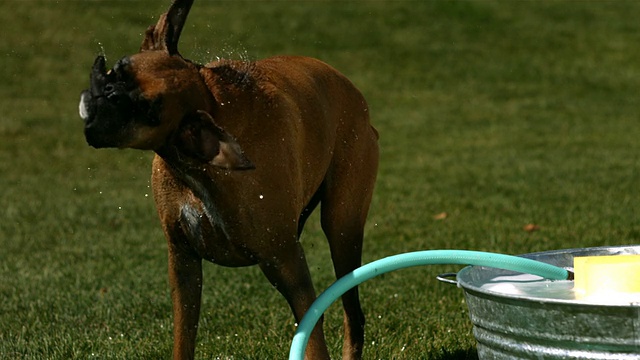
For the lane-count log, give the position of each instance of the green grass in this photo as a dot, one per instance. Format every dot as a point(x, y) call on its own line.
point(500, 114)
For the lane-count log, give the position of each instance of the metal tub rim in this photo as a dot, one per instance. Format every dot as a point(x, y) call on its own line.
point(465, 277)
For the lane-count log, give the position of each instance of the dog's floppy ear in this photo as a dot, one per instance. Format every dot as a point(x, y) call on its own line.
point(165, 34)
point(200, 138)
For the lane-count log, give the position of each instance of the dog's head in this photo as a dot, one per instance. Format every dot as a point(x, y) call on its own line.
point(157, 99)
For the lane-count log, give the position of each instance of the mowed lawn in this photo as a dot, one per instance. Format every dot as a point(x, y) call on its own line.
point(492, 116)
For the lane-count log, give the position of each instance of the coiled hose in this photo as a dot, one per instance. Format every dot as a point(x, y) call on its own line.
point(406, 260)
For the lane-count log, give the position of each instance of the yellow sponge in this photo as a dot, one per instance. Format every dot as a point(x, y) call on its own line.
point(612, 277)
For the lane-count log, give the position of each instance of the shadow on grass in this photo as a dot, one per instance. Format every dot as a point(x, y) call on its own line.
point(460, 354)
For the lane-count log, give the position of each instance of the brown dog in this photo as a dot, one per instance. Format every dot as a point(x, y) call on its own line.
point(303, 137)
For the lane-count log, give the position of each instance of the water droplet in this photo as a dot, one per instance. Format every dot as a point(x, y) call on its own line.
point(261, 196)
point(102, 52)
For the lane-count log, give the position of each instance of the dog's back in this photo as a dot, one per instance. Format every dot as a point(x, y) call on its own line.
point(298, 110)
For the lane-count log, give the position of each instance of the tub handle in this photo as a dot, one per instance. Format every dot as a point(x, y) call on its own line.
point(446, 278)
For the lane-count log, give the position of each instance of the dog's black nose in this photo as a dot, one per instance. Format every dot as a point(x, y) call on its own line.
point(109, 89)
point(116, 92)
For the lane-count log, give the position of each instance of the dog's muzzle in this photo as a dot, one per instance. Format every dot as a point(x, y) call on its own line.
point(105, 107)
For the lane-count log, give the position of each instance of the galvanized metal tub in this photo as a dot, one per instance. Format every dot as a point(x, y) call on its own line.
point(510, 326)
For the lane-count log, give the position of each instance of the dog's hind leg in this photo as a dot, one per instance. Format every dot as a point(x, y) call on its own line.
point(345, 241)
point(348, 191)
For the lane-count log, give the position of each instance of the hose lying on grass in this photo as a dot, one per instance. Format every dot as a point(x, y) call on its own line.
point(401, 261)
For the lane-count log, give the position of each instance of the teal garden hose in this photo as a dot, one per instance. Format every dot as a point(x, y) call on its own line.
point(406, 260)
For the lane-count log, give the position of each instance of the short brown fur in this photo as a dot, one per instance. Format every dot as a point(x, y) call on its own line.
point(300, 131)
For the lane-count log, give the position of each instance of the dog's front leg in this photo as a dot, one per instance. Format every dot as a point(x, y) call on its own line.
point(185, 278)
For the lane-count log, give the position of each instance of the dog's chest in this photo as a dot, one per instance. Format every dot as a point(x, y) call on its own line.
point(204, 230)
point(191, 221)
point(207, 235)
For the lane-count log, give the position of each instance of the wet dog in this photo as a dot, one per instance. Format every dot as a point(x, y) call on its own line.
point(245, 151)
